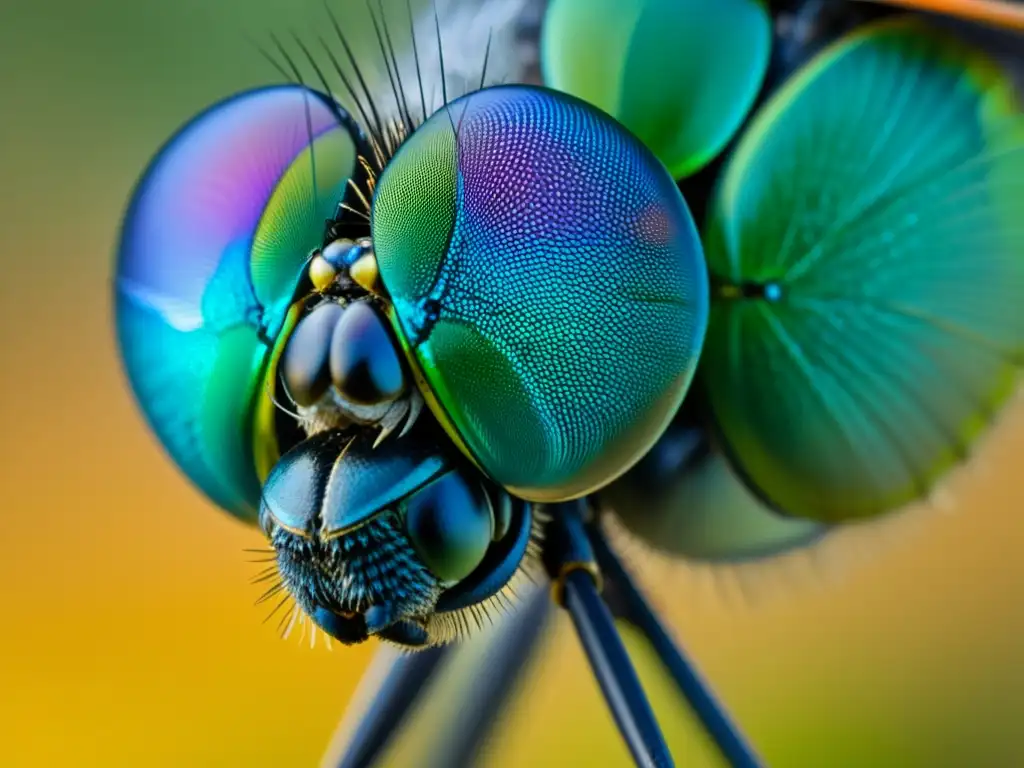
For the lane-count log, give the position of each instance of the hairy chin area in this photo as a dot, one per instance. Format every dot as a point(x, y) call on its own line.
point(372, 565)
point(375, 565)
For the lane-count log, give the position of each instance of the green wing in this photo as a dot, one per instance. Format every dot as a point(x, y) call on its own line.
point(680, 74)
point(867, 246)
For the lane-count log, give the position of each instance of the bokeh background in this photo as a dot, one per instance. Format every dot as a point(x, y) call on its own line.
point(127, 631)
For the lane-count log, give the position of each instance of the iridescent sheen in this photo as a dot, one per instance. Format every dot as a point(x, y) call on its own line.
point(867, 258)
point(217, 231)
point(549, 283)
point(338, 481)
point(680, 74)
point(450, 524)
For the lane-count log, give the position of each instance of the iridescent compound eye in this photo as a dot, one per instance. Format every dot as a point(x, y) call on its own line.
point(547, 282)
point(212, 249)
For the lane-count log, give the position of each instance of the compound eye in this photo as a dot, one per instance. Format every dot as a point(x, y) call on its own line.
point(364, 363)
point(450, 525)
point(507, 251)
point(305, 363)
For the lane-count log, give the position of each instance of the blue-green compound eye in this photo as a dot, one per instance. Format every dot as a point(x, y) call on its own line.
point(213, 244)
point(548, 282)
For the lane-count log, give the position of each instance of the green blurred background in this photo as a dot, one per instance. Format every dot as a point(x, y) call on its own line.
point(128, 633)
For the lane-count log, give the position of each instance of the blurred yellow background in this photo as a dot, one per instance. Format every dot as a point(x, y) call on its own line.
point(128, 632)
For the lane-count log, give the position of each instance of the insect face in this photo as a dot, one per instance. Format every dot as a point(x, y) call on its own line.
point(387, 541)
point(532, 273)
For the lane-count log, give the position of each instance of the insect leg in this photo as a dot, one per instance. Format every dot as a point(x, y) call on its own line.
point(629, 603)
point(483, 681)
point(569, 560)
point(402, 678)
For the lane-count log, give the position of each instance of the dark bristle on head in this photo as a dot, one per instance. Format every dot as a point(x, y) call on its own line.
point(483, 77)
point(487, 57)
point(273, 62)
point(400, 100)
point(309, 117)
point(378, 124)
point(416, 58)
point(368, 126)
point(325, 86)
point(371, 565)
point(277, 609)
point(384, 55)
point(440, 56)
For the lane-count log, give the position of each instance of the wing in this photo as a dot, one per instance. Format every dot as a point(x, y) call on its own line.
point(680, 74)
point(867, 241)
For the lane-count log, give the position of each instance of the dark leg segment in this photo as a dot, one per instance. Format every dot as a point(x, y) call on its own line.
point(500, 667)
point(633, 607)
point(577, 556)
point(570, 562)
point(408, 677)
